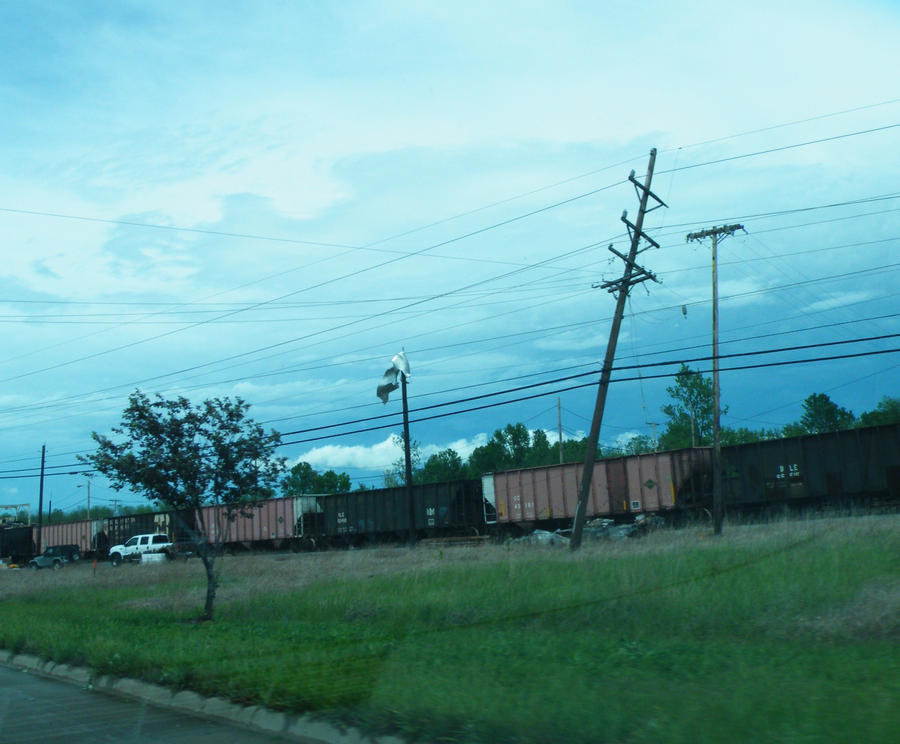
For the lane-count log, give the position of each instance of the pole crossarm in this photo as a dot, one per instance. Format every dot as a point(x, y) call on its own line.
point(632, 230)
point(709, 232)
point(641, 188)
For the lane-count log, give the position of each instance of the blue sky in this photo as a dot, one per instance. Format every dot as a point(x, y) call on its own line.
point(271, 199)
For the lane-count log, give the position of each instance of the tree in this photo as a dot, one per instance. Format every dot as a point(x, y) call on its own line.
point(396, 475)
point(820, 415)
point(303, 479)
point(184, 457)
point(441, 467)
point(540, 452)
point(886, 412)
point(638, 445)
point(509, 447)
point(691, 411)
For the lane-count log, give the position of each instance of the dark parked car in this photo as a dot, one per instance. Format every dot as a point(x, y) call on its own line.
point(56, 556)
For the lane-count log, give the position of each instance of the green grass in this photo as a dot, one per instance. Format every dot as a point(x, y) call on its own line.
point(780, 633)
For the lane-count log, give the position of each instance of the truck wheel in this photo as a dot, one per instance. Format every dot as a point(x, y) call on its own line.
point(56, 565)
point(115, 559)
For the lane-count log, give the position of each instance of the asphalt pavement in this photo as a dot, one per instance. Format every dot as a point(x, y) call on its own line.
point(38, 709)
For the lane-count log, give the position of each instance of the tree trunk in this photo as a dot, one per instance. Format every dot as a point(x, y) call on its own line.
point(208, 564)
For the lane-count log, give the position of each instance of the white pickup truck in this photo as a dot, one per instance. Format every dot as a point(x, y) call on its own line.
point(136, 546)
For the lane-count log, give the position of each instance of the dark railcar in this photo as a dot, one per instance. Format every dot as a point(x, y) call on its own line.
point(16, 543)
point(440, 509)
point(857, 465)
point(119, 529)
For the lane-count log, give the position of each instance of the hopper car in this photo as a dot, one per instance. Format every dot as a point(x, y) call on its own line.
point(843, 469)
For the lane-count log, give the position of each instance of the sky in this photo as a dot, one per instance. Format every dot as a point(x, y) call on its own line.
point(271, 199)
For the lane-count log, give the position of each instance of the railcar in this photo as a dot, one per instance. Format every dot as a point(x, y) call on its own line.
point(382, 514)
point(856, 466)
point(621, 487)
point(859, 467)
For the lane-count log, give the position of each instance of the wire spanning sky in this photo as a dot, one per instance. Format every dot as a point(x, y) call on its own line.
point(271, 199)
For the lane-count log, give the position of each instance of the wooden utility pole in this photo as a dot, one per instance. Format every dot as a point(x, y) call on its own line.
point(713, 233)
point(632, 275)
point(41, 499)
point(408, 461)
point(559, 426)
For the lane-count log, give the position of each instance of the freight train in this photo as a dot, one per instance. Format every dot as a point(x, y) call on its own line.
point(852, 467)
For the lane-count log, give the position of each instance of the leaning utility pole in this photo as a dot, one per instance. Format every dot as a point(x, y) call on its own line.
point(714, 233)
point(633, 274)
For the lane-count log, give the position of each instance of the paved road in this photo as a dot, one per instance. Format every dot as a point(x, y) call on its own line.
point(37, 709)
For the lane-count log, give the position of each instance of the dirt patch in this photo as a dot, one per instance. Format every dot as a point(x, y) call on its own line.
point(873, 613)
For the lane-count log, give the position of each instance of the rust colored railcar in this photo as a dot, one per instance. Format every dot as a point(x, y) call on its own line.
point(649, 483)
point(267, 525)
point(82, 533)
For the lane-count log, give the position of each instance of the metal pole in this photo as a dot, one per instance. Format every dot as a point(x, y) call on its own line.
point(406, 448)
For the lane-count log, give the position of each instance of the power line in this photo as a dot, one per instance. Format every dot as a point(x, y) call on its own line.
point(782, 148)
point(590, 384)
point(593, 372)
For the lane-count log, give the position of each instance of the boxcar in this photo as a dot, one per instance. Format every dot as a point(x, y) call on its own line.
point(547, 496)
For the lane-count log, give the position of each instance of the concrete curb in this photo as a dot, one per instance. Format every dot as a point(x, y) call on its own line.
point(291, 727)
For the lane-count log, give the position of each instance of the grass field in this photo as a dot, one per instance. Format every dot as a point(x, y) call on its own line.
point(788, 632)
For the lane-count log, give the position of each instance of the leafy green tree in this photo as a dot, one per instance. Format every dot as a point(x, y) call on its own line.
point(691, 411)
point(638, 445)
point(183, 457)
point(299, 480)
point(396, 475)
point(508, 448)
point(331, 482)
point(540, 452)
point(820, 415)
point(886, 412)
point(303, 479)
point(743, 435)
point(442, 466)
point(574, 450)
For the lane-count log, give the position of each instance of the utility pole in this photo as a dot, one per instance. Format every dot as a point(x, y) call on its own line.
point(632, 275)
point(408, 462)
point(41, 499)
point(713, 233)
point(559, 425)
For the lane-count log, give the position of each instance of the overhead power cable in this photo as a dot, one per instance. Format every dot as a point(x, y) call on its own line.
point(780, 149)
point(590, 384)
point(594, 372)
